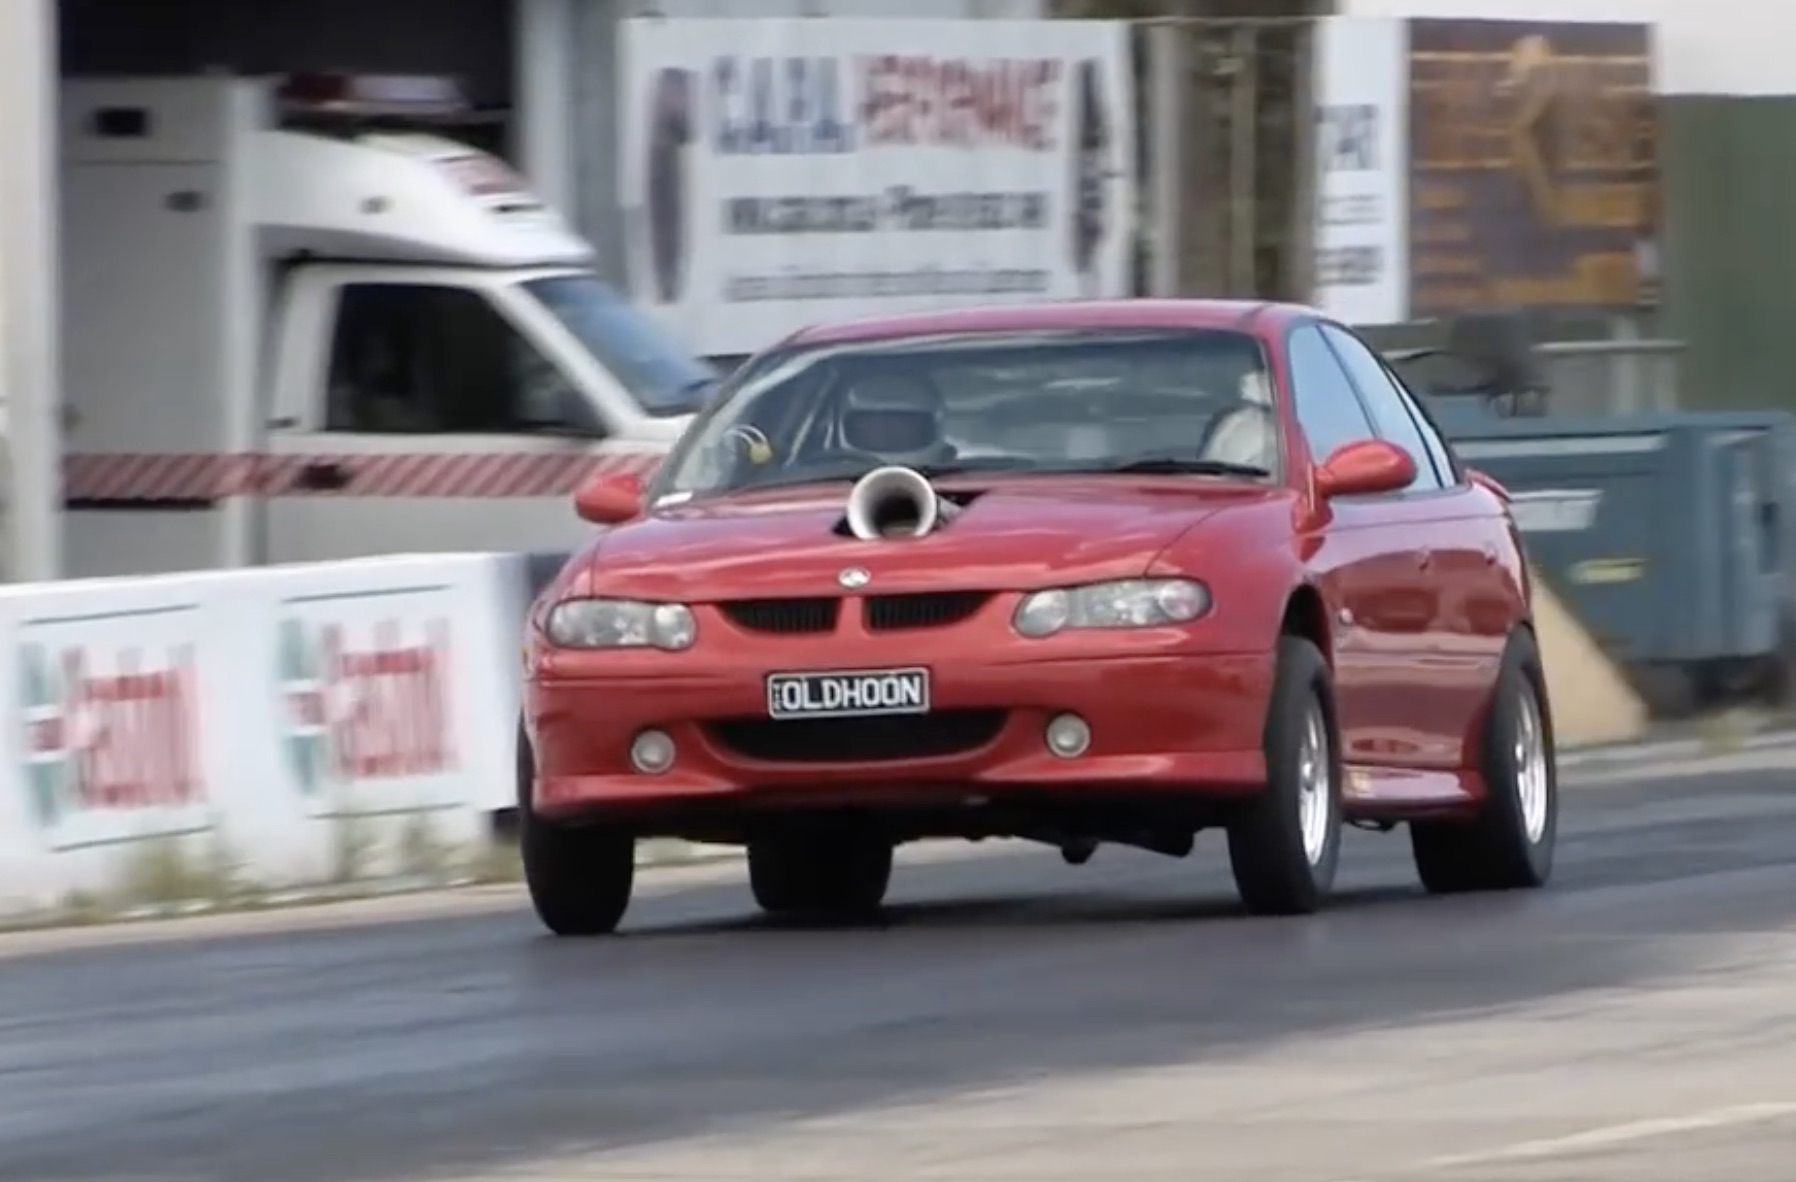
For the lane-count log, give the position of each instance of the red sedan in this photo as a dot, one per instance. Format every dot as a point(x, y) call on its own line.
point(1077, 573)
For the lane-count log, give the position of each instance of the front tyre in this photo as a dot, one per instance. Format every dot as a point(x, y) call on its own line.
point(1285, 845)
point(825, 873)
point(1509, 844)
point(579, 876)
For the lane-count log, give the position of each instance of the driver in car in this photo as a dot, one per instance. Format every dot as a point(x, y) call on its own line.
point(897, 418)
point(1247, 433)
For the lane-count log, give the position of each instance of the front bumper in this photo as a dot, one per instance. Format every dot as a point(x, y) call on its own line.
point(1160, 722)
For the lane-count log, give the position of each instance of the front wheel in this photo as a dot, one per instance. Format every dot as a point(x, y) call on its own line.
point(579, 876)
point(825, 873)
point(1286, 844)
point(1509, 844)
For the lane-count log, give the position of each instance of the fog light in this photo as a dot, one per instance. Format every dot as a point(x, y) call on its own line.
point(652, 751)
point(1068, 736)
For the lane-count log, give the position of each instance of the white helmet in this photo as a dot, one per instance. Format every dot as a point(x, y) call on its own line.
point(895, 417)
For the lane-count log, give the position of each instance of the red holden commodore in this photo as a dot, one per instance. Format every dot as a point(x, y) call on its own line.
point(1076, 573)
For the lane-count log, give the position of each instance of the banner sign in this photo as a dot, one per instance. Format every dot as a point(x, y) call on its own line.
point(260, 726)
point(778, 173)
point(366, 680)
point(1533, 165)
point(111, 704)
point(1362, 265)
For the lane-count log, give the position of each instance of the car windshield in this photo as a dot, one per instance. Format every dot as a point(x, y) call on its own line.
point(1186, 400)
point(646, 360)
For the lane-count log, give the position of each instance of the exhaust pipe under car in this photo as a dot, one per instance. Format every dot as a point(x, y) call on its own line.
point(896, 502)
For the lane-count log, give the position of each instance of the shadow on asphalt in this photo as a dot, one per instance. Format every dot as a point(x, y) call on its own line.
point(1069, 909)
point(445, 1047)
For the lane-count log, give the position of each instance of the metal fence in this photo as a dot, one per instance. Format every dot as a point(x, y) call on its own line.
point(1613, 377)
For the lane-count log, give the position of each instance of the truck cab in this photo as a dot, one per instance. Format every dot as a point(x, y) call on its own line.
point(292, 335)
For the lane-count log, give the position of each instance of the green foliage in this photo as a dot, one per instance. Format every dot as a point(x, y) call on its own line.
point(421, 854)
point(493, 862)
point(164, 876)
point(352, 848)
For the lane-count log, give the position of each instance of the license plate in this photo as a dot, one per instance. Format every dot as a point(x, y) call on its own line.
point(848, 693)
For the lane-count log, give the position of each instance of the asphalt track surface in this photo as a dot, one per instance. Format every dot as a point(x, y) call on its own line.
point(1015, 1019)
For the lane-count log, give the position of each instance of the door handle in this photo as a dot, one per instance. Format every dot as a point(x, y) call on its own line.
point(322, 476)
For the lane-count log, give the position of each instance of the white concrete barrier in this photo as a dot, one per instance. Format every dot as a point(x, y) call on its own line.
point(285, 726)
point(205, 735)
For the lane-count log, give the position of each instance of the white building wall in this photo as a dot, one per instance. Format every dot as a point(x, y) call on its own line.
point(1702, 46)
point(30, 438)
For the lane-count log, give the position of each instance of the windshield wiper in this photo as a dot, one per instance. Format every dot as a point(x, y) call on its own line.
point(977, 467)
point(1182, 465)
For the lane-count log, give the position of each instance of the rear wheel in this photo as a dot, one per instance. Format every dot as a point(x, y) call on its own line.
point(1285, 845)
point(579, 876)
point(1509, 844)
point(824, 872)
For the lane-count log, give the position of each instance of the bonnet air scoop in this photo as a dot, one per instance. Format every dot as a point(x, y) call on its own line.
point(896, 502)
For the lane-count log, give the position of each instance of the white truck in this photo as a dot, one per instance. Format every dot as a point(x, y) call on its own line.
point(290, 341)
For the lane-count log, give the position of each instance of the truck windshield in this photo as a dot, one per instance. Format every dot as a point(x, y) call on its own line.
point(666, 379)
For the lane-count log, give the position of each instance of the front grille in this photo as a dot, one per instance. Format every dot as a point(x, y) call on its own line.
point(785, 616)
point(932, 609)
point(858, 740)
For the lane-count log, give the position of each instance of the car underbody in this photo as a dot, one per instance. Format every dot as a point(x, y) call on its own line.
point(1075, 823)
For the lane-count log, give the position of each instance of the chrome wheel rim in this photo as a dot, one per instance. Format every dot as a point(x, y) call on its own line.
point(1530, 759)
point(1315, 779)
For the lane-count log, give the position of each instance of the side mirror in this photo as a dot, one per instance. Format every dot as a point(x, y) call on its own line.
point(1362, 467)
point(1486, 481)
point(609, 498)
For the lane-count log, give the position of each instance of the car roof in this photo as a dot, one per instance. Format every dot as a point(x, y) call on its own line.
point(1260, 317)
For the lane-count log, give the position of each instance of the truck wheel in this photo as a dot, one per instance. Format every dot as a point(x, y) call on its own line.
point(1509, 844)
point(1284, 846)
point(1779, 681)
point(579, 875)
point(1669, 691)
point(826, 873)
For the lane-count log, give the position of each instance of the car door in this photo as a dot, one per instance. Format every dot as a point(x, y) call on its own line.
point(1445, 522)
point(440, 427)
point(1363, 565)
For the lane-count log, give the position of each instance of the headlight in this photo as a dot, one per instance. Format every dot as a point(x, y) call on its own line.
point(1128, 603)
point(621, 623)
